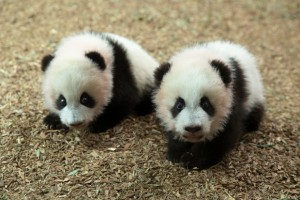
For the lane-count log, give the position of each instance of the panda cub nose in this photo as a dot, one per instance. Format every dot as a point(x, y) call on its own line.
point(193, 129)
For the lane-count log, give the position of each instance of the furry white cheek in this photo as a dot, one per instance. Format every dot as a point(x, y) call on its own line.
point(163, 111)
point(49, 97)
point(166, 119)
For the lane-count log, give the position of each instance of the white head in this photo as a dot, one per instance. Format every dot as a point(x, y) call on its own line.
point(76, 86)
point(193, 97)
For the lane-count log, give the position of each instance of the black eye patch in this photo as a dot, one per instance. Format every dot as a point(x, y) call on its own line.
point(206, 106)
point(87, 100)
point(61, 102)
point(178, 107)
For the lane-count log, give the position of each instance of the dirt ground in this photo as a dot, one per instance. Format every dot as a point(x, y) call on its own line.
point(128, 162)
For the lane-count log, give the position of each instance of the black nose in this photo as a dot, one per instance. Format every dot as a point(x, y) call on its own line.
point(192, 129)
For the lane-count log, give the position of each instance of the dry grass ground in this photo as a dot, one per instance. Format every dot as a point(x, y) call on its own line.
point(128, 162)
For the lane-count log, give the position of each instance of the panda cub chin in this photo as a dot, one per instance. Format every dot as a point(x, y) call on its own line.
point(94, 80)
point(207, 96)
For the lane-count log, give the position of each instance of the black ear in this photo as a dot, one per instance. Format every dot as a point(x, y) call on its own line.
point(46, 61)
point(96, 58)
point(223, 70)
point(160, 72)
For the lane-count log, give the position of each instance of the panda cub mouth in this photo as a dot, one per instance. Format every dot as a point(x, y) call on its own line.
point(78, 125)
point(192, 137)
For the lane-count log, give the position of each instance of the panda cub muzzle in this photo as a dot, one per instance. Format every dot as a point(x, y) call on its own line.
point(192, 133)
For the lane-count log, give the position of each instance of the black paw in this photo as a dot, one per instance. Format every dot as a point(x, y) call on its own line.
point(174, 157)
point(53, 122)
point(191, 161)
point(187, 157)
point(94, 128)
point(188, 160)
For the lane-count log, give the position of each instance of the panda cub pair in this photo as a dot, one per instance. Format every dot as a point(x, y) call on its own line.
point(206, 96)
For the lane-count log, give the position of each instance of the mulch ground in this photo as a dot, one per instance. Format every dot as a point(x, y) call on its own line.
point(128, 161)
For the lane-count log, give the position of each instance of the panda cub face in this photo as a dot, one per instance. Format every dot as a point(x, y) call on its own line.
point(76, 87)
point(192, 101)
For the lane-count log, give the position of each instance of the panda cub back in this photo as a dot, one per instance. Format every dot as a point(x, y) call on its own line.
point(207, 96)
point(94, 80)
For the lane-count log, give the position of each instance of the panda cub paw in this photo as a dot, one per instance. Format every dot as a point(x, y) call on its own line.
point(94, 128)
point(53, 122)
point(190, 161)
point(174, 158)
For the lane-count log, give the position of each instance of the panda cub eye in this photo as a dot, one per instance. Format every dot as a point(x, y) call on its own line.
point(87, 100)
point(206, 106)
point(178, 106)
point(61, 102)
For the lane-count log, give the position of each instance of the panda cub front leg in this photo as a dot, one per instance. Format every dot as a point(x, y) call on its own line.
point(192, 155)
point(176, 148)
point(200, 156)
point(53, 122)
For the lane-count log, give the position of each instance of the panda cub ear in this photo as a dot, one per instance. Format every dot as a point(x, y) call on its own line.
point(223, 71)
point(46, 61)
point(97, 59)
point(160, 72)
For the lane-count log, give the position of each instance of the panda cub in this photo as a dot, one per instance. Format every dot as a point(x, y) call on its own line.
point(94, 80)
point(207, 96)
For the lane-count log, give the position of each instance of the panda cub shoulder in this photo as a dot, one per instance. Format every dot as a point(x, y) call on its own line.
point(206, 97)
point(94, 80)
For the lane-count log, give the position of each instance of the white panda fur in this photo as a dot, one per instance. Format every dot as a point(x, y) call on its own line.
point(234, 90)
point(127, 70)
